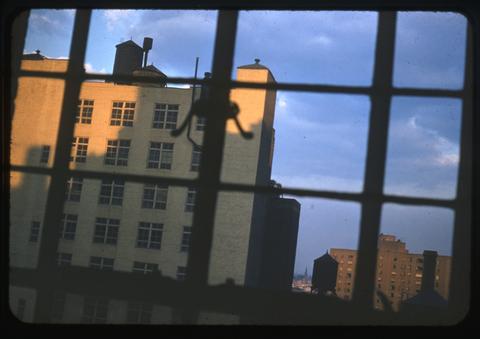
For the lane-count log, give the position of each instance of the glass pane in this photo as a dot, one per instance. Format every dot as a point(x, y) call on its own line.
point(430, 50)
point(414, 258)
point(328, 230)
point(423, 147)
point(48, 39)
point(327, 47)
point(302, 140)
point(195, 30)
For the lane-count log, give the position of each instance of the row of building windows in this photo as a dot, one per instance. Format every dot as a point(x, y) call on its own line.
point(107, 264)
point(112, 192)
point(149, 235)
point(165, 116)
point(95, 310)
point(160, 154)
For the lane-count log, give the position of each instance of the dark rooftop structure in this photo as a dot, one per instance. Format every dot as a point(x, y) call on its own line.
point(427, 297)
point(324, 277)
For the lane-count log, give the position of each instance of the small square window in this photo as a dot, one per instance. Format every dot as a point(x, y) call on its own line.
point(165, 116)
point(34, 231)
point(160, 155)
point(106, 231)
point(45, 154)
point(190, 202)
point(84, 111)
point(122, 113)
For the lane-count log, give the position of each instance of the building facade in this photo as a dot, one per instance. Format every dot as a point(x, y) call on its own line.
point(125, 226)
point(398, 274)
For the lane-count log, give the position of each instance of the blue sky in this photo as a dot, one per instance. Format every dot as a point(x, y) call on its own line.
point(320, 138)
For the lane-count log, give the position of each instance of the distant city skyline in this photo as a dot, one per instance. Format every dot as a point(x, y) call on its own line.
point(320, 138)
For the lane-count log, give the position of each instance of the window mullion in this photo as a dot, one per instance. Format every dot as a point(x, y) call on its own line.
point(461, 252)
point(210, 165)
point(56, 192)
point(376, 158)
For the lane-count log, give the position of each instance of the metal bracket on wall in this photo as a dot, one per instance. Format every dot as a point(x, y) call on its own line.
point(199, 108)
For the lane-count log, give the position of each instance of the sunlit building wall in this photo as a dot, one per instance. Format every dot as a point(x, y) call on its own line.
point(129, 226)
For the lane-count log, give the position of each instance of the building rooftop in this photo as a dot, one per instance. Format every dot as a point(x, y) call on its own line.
point(34, 56)
point(152, 69)
point(326, 257)
point(129, 42)
point(256, 65)
point(427, 298)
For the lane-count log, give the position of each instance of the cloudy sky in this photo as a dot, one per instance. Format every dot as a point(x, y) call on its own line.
point(320, 138)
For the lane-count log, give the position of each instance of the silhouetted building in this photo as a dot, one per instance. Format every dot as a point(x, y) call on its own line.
point(428, 297)
point(324, 276)
point(398, 275)
point(280, 243)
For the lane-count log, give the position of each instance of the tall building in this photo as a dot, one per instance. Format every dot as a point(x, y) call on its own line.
point(280, 243)
point(398, 274)
point(125, 128)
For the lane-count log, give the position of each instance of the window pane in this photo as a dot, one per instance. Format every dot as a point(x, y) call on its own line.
point(410, 238)
point(316, 141)
point(329, 47)
point(50, 30)
point(423, 147)
point(430, 50)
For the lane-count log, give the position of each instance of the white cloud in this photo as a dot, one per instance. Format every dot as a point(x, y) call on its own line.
point(117, 17)
point(52, 22)
point(448, 159)
point(444, 152)
point(89, 68)
point(321, 40)
point(169, 26)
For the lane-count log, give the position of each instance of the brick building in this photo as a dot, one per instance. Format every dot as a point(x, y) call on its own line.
point(125, 226)
point(398, 274)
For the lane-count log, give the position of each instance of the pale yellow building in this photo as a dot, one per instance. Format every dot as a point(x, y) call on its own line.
point(398, 273)
point(125, 128)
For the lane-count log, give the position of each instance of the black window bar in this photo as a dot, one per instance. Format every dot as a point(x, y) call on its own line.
point(195, 294)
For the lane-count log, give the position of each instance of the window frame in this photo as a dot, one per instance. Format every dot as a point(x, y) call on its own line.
point(153, 230)
point(164, 160)
point(146, 267)
point(99, 263)
point(79, 149)
point(109, 234)
point(165, 124)
point(84, 113)
point(109, 190)
point(74, 182)
point(371, 198)
point(45, 154)
point(117, 154)
point(122, 116)
point(95, 303)
point(185, 241)
point(159, 191)
point(68, 228)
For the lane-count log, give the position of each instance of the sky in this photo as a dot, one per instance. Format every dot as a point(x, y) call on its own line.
point(320, 138)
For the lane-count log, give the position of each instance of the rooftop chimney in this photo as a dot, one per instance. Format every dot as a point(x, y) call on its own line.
point(147, 45)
